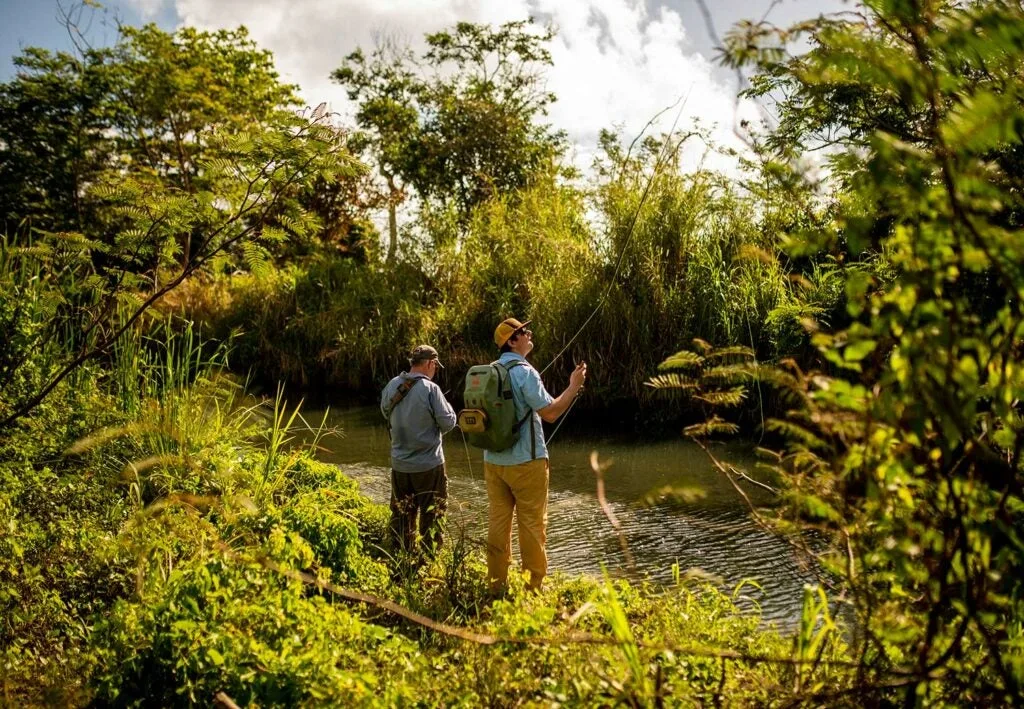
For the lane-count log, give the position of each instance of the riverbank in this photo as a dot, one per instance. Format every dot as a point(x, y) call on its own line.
point(712, 531)
point(133, 577)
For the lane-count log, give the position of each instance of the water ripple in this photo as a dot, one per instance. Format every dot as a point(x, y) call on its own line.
point(715, 534)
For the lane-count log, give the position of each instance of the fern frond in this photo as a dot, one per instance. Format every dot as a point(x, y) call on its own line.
point(683, 359)
point(703, 345)
point(734, 351)
point(129, 299)
point(92, 282)
point(794, 432)
point(727, 373)
point(726, 397)
point(805, 461)
point(671, 381)
point(711, 427)
point(842, 423)
point(72, 238)
point(273, 235)
point(288, 222)
point(130, 210)
point(777, 378)
point(40, 252)
point(256, 258)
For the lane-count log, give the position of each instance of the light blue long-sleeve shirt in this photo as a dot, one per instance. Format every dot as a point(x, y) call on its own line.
point(528, 392)
point(417, 424)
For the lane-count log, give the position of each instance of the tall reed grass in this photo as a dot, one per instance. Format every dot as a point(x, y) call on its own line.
point(690, 267)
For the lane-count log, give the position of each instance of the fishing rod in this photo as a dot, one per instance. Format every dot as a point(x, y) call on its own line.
point(629, 235)
point(662, 154)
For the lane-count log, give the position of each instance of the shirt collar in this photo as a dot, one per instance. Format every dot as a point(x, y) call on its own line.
point(511, 356)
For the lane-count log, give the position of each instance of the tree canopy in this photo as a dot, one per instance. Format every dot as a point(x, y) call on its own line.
point(461, 122)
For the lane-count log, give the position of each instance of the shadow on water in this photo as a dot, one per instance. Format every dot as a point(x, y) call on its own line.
point(715, 534)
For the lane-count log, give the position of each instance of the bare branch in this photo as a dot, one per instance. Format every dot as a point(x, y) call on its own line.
point(599, 469)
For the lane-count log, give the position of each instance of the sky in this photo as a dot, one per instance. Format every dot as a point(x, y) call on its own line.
point(617, 63)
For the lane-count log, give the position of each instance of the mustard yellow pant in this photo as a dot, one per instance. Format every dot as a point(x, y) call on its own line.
point(522, 489)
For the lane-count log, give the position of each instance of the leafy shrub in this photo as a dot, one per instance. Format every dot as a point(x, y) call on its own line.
point(333, 535)
point(234, 626)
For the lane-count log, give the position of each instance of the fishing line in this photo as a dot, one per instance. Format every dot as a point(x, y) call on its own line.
point(469, 460)
point(629, 235)
point(757, 375)
point(662, 155)
point(564, 417)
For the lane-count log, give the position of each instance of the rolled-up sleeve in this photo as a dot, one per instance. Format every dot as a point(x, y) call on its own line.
point(532, 388)
point(444, 414)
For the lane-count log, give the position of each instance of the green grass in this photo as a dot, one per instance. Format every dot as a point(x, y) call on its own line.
point(147, 549)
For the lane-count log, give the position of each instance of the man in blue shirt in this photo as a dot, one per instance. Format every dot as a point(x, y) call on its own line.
point(517, 478)
point(418, 415)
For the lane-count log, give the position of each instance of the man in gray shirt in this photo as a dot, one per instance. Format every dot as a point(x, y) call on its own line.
point(418, 415)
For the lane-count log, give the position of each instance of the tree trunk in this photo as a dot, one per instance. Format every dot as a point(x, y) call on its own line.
point(393, 194)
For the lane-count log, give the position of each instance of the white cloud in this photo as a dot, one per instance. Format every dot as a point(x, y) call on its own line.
point(616, 62)
point(148, 9)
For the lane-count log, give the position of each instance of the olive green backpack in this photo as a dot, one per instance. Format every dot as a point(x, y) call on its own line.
point(489, 419)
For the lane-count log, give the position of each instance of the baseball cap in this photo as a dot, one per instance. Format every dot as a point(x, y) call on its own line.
point(506, 328)
point(424, 353)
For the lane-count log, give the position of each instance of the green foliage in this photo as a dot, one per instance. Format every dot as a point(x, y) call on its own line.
point(79, 294)
point(171, 88)
point(904, 455)
point(330, 320)
point(153, 524)
point(126, 170)
point(320, 519)
point(146, 105)
point(231, 626)
point(53, 133)
point(179, 581)
point(694, 267)
point(190, 595)
point(459, 124)
point(61, 564)
point(183, 409)
point(540, 236)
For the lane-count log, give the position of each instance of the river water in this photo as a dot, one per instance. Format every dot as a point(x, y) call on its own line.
point(715, 534)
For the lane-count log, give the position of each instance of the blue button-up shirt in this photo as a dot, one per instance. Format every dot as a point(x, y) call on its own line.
point(417, 424)
point(528, 393)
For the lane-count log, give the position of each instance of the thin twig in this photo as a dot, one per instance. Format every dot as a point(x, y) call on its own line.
point(599, 469)
point(744, 476)
point(804, 552)
point(223, 700)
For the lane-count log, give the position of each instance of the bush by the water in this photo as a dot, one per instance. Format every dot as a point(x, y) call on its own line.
point(690, 269)
point(131, 580)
